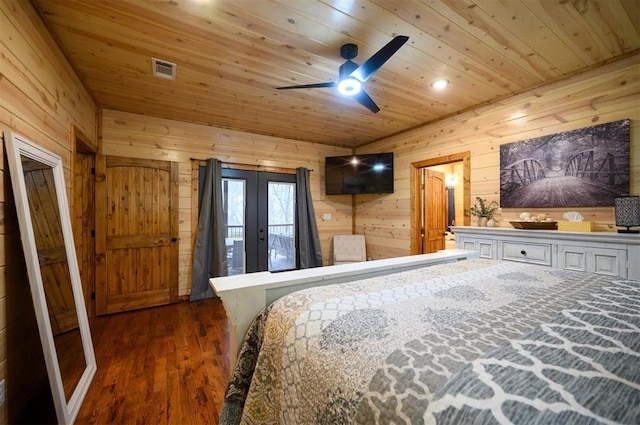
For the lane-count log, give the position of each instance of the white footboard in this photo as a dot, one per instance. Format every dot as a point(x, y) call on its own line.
point(244, 296)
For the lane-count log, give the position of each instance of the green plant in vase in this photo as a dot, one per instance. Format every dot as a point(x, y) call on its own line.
point(485, 211)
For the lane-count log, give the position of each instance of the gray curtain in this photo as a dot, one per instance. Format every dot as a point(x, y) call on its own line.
point(308, 240)
point(209, 253)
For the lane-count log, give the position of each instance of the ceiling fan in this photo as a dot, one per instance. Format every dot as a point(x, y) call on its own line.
point(351, 76)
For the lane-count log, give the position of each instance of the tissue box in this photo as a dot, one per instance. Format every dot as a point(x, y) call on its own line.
point(575, 226)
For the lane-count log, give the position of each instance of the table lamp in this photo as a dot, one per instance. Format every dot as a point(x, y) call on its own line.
point(628, 213)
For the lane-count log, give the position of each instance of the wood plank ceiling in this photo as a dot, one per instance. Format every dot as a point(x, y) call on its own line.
point(232, 54)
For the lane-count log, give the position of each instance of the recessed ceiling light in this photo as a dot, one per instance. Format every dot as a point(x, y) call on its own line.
point(440, 84)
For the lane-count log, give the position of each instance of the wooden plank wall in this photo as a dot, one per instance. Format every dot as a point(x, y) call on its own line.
point(602, 95)
point(40, 98)
point(139, 136)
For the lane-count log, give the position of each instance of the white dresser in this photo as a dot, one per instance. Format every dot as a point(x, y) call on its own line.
point(610, 253)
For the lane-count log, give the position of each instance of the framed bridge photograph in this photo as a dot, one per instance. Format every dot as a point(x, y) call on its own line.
point(588, 167)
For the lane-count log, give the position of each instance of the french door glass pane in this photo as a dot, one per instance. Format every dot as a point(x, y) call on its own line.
point(234, 199)
point(281, 233)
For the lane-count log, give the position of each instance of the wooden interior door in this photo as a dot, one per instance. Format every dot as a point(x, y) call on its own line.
point(434, 211)
point(136, 233)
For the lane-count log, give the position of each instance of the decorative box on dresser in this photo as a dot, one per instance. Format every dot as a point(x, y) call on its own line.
point(610, 253)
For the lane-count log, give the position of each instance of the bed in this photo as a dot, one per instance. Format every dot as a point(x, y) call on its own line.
point(477, 341)
point(244, 296)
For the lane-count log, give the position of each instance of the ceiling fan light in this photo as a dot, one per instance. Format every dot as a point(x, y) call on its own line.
point(349, 86)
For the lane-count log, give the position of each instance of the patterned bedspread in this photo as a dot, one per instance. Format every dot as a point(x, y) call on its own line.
point(477, 341)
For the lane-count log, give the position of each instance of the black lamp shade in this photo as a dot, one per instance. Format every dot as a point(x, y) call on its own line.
point(628, 213)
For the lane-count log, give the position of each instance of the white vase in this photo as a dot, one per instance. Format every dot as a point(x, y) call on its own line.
point(491, 223)
point(482, 221)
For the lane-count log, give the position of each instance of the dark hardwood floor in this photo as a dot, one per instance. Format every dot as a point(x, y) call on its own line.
point(162, 365)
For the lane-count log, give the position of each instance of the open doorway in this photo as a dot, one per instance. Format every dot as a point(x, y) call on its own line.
point(431, 202)
point(83, 211)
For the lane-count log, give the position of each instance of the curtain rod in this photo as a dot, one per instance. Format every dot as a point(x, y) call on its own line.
point(247, 165)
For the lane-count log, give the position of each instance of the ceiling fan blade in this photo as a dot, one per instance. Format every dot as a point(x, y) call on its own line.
point(310, 86)
point(371, 65)
point(365, 100)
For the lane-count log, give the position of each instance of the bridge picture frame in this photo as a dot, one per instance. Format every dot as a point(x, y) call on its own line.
point(586, 167)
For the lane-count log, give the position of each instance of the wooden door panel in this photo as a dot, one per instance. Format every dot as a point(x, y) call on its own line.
point(52, 255)
point(138, 252)
point(138, 270)
point(435, 211)
point(59, 296)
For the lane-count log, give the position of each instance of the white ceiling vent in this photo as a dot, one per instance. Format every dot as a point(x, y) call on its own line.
point(163, 69)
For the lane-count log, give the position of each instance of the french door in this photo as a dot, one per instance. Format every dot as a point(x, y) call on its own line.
point(259, 210)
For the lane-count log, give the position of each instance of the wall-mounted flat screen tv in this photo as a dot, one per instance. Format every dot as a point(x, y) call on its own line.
point(357, 174)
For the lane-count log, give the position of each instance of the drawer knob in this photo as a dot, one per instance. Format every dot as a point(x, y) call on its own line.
point(523, 252)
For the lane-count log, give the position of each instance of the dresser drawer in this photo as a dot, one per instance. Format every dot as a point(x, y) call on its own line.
point(526, 252)
point(605, 261)
point(486, 247)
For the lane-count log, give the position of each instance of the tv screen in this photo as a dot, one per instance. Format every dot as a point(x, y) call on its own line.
point(356, 174)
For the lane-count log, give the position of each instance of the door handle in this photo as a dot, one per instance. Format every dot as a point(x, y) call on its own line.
point(261, 238)
point(174, 239)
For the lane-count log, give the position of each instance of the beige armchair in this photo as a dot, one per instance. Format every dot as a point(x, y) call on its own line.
point(349, 249)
